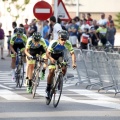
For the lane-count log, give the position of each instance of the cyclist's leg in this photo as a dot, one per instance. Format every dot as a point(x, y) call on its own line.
point(49, 80)
point(13, 63)
point(30, 68)
point(24, 58)
point(45, 65)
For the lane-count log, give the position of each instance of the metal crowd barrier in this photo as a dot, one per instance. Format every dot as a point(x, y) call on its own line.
point(114, 61)
point(98, 68)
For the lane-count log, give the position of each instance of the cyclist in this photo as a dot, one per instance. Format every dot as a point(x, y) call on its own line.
point(35, 45)
point(17, 41)
point(54, 52)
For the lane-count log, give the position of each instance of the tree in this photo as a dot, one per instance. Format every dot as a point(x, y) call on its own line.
point(16, 5)
point(117, 20)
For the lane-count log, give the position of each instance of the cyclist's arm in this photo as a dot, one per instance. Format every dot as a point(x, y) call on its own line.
point(68, 45)
point(73, 58)
point(27, 48)
point(50, 49)
point(11, 44)
point(48, 54)
point(27, 53)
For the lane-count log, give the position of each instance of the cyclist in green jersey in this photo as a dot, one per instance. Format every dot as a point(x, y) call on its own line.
point(17, 41)
point(54, 52)
point(35, 45)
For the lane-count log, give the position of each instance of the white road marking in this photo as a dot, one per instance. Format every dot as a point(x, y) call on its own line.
point(93, 95)
point(9, 95)
point(5, 87)
point(100, 103)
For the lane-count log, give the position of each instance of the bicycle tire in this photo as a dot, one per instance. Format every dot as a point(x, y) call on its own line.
point(35, 83)
point(17, 76)
point(48, 100)
point(21, 76)
point(58, 90)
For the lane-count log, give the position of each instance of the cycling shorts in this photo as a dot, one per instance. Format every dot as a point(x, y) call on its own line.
point(55, 57)
point(34, 52)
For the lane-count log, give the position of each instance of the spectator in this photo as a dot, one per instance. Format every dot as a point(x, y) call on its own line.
point(26, 26)
point(109, 20)
point(22, 26)
point(77, 19)
point(45, 29)
point(102, 31)
point(73, 29)
point(93, 36)
point(56, 27)
point(94, 24)
point(102, 20)
point(89, 20)
point(63, 27)
point(14, 25)
point(84, 16)
point(84, 25)
point(8, 42)
point(2, 34)
point(85, 38)
point(111, 31)
point(33, 28)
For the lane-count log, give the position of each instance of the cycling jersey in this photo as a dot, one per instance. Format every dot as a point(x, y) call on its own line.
point(15, 40)
point(30, 44)
point(18, 43)
point(56, 48)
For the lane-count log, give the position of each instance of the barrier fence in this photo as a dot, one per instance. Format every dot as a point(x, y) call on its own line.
point(98, 69)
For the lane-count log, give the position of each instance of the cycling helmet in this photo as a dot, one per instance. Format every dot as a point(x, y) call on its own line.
point(36, 36)
point(63, 34)
point(19, 31)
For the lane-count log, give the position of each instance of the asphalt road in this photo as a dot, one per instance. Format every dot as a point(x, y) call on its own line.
point(77, 102)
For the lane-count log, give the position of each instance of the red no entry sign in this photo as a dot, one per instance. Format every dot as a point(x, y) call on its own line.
point(42, 10)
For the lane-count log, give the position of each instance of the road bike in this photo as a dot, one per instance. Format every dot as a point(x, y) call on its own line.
point(19, 72)
point(57, 84)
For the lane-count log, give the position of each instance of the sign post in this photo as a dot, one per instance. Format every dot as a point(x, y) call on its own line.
point(42, 11)
point(56, 9)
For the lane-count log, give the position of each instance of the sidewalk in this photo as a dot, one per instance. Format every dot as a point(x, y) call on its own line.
point(5, 64)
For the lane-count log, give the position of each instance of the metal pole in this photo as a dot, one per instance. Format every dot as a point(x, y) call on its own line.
point(77, 7)
point(56, 9)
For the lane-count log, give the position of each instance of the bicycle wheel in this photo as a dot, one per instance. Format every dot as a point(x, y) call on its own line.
point(17, 76)
point(58, 90)
point(21, 75)
point(35, 83)
point(48, 100)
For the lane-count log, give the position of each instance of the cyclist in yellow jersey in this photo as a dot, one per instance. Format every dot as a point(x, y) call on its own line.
point(54, 52)
point(17, 41)
point(35, 45)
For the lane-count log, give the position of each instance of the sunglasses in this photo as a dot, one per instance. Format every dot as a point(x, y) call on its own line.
point(63, 39)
